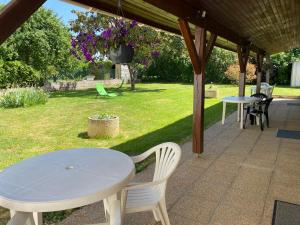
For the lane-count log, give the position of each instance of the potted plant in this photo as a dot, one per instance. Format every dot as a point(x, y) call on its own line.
point(211, 92)
point(116, 40)
point(103, 125)
point(119, 40)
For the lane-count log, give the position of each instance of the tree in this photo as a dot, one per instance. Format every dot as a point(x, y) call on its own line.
point(41, 42)
point(283, 65)
point(233, 72)
point(218, 63)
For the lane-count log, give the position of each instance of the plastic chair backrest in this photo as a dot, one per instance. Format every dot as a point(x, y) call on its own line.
point(100, 89)
point(260, 95)
point(167, 158)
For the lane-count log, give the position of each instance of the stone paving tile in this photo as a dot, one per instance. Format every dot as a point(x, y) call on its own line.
point(208, 190)
point(193, 208)
point(224, 166)
point(284, 193)
point(252, 201)
point(232, 158)
point(267, 156)
point(229, 215)
point(217, 176)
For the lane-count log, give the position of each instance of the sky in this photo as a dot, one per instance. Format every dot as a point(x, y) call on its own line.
point(62, 9)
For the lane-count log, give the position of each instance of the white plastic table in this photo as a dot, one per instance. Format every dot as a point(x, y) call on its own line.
point(62, 180)
point(240, 101)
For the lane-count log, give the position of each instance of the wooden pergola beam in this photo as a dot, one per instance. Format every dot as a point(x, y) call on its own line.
point(243, 55)
point(210, 45)
point(14, 14)
point(189, 42)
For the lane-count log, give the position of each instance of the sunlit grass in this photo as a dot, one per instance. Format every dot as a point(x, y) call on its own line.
point(152, 114)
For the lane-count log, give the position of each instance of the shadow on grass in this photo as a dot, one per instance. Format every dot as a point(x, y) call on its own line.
point(175, 132)
point(92, 93)
point(83, 135)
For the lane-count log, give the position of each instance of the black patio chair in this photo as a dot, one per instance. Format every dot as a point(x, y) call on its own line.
point(259, 110)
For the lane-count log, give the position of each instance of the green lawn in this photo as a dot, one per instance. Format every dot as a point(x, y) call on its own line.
point(152, 114)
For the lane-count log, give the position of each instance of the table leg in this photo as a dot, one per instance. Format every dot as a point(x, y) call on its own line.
point(123, 200)
point(38, 218)
point(242, 116)
point(238, 112)
point(224, 112)
point(21, 218)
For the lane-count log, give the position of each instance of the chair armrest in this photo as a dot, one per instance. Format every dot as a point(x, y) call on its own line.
point(143, 156)
point(144, 185)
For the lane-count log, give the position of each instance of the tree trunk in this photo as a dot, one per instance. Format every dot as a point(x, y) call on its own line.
point(132, 78)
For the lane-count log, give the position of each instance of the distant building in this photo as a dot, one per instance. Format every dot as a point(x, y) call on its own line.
point(295, 78)
point(122, 72)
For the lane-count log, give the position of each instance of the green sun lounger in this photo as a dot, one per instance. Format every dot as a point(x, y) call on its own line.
point(102, 92)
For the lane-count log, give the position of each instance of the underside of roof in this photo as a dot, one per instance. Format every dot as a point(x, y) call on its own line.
point(270, 26)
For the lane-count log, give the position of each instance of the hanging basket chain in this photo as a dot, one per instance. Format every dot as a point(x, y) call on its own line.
point(120, 10)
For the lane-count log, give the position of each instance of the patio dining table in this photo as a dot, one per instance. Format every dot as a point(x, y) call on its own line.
point(62, 180)
point(240, 101)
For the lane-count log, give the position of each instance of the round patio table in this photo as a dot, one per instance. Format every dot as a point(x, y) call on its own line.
point(62, 180)
point(240, 101)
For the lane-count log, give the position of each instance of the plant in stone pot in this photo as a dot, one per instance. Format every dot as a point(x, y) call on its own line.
point(211, 92)
point(103, 125)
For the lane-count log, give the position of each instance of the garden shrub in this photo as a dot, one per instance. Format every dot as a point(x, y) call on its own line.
point(169, 67)
point(233, 73)
point(18, 74)
point(22, 97)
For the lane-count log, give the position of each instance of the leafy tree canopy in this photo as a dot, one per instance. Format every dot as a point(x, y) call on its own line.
point(42, 41)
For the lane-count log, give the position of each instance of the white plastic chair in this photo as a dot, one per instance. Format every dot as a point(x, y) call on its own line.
point(150, 196)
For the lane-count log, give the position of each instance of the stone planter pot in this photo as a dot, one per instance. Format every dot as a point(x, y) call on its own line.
point(123, 54)
point(103, 127)
point(211, 93)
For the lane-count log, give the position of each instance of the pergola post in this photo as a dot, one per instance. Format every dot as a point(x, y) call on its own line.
point(269, 68)
point(14, 14)
point(199, 53)
point(243, 55)
point(259, 62)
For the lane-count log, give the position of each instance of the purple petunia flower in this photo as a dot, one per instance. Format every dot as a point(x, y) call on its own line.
point(106, 34)
point(155, 54)
point(73, 43)
point(133, 24)
point(131, 44)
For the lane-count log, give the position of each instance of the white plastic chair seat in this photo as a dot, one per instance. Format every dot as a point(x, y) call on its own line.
point(143, 199)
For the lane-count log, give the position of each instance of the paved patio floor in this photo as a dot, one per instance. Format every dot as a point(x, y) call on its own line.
point(236, 180)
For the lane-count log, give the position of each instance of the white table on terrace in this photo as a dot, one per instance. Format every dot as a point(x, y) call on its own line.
point(62, 180)
point(240, 101)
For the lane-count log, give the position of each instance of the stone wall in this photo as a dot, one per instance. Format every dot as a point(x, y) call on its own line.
point(80, 85)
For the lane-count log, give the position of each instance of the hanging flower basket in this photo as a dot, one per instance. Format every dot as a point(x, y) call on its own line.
point(123, 54)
